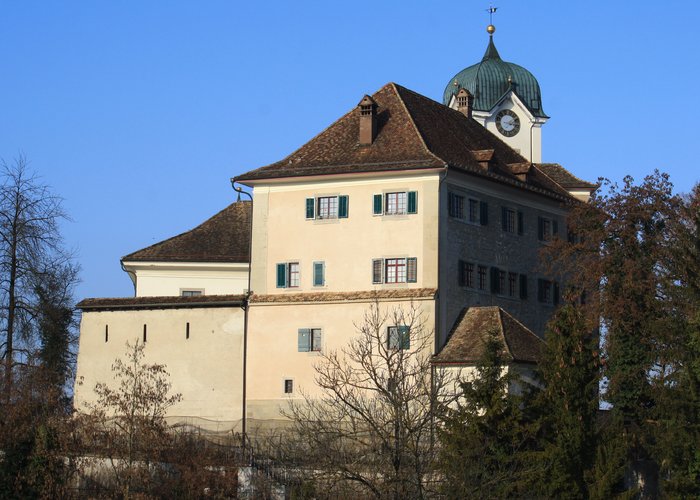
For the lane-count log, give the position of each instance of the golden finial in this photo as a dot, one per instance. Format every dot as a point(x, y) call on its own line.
point(491, 28)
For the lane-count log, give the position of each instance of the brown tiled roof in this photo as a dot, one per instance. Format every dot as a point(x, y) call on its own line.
point(403, 293)
point(467, 339)
point(563, 177)
point(160, 302)
point(225, 237)
point(413, 132)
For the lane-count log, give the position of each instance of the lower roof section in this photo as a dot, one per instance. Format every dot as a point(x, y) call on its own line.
point(170, 302)
point(467, 340)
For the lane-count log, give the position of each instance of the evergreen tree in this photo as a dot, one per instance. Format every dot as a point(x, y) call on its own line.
point(485, 439)
point(567, 405)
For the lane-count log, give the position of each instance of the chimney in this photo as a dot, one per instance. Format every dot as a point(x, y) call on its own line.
point(368, 120)
point(465, 102)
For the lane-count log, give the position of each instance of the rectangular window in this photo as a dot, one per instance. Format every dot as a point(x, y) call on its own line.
point(482, 277)
point(145, 333)
point(106, 333)
point(288, 386)
point(293, 275)
point(398, 203)
point(191, 293)
point(456, 206)
point(398, 270)
point(187, 330)
point(501, 281)
point(395, 270)
point(474, 211)
point(466, 274)
point(546, 228)
point(512, 280)
point(508, 220)
point(319, 274)
point(309, 339)
point(288, 275)
point(398, 337)
point(521, 223)
point(327, 207)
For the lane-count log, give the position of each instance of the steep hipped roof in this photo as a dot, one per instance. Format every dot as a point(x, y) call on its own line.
point(225, 237)
point(470, 332)
point(413, 132)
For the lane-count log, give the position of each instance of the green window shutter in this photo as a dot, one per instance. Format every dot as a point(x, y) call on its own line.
point(521, 225)
point(540, 228)
point(405, 337)
point(412, 270)
point(555, 227)
point(555, 293)
point(540, 290)
point(504, 218)
point(412, 202)
point(304, 340)
point(281, 275)
point(523, 286)
point(461, 279)
point(377, 204)
point(342, 206)
point(377, 271)
point(484, 213)
point(319, 278)
point(310, 202)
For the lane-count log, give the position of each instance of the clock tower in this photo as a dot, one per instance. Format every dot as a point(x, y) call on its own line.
point(506, 100)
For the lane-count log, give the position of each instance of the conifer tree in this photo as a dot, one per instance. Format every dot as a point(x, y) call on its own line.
point(567, 405)
point(484, 439)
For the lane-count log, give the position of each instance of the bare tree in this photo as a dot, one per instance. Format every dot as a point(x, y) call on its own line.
point(126, 422)
point(31, 254)
point(370, 433)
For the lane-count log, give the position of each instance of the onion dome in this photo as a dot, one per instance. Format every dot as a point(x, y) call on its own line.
point(490, 79)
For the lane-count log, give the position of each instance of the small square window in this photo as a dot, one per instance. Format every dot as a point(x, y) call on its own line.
point(398, 337)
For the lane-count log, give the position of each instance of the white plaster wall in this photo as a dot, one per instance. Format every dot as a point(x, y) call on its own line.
point(281, 233)
point(206, 368)
point(273, 350)
point(154, 279)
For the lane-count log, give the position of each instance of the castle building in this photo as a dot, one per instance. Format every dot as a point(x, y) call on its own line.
point(403, 201)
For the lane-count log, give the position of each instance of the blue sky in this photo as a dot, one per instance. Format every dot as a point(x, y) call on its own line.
point(138, 113)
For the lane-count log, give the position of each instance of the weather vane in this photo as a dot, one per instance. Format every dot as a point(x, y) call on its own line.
point(491, 10)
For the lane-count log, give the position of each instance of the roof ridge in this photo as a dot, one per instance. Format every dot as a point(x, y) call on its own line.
point(516, 320)
point(507, 347)
point(583, 181)
point(413, 122)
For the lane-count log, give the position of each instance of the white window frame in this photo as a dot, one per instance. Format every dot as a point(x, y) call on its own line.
point(330, 210)
point(397, 207)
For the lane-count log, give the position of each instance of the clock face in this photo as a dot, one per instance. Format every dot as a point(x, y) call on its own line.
point(507, 122)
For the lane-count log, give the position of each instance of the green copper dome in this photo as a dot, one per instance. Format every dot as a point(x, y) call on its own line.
point(490, 79)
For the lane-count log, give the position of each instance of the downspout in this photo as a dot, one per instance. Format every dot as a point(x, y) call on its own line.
point(131, 274)
point(245, 306)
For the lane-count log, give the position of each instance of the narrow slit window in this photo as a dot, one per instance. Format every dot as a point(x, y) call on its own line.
point(145, 333)
point(187, 330)
point(106, 333)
